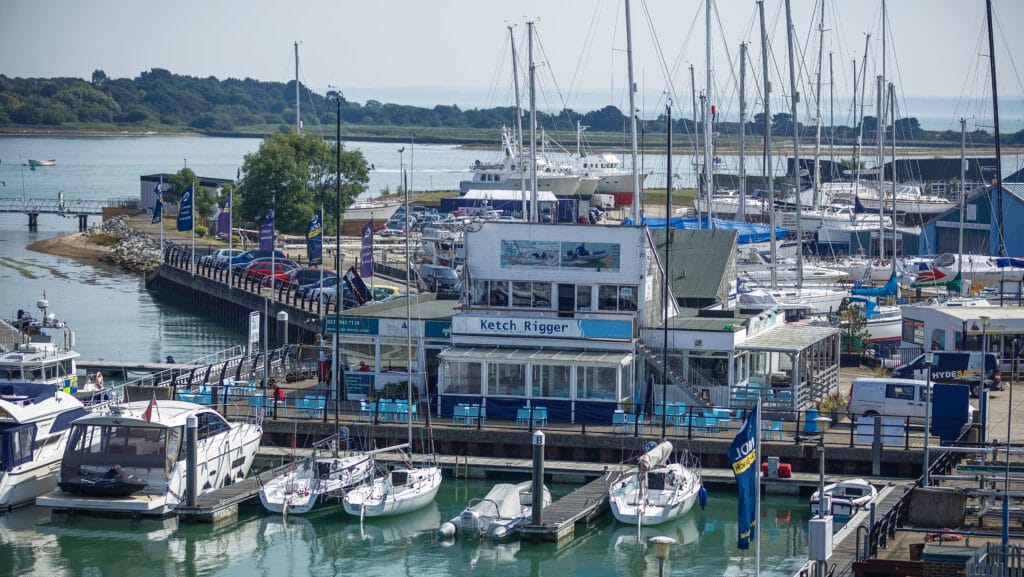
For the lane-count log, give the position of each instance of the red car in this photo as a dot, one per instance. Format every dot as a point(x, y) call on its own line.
point(262, 270)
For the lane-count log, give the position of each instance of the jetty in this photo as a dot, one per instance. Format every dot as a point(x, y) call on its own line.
point(222, 504)
point(82, 209)
point(559, 519)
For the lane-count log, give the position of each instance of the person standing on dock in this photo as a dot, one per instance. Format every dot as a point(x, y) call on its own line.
point(278, 396)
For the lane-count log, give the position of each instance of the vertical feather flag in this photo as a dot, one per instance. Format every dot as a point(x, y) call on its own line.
point(743, 458)
point(315, 239)
point(158, 207)
point(185, 218)
point(267, 232)
point(366, 252)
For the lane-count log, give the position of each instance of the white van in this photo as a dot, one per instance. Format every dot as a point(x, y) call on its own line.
point(891, 398)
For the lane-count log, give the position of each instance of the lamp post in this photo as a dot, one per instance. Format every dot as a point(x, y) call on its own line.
point(662, 546)
point(984, 332)
point(929, 358)
point(401, 169)
point(339, 374)
point(823, 423)
point(1006, 485)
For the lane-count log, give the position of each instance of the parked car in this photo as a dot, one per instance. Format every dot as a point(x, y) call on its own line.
point(304, 276)
point(241, 267)
point(387, 231)
point(961, 368)
point(440, 279)
point(250, 255)
point(264, 269)
point(330, 288)
point(219, 256)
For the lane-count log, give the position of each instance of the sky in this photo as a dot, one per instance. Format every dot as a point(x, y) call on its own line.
point(457, 51)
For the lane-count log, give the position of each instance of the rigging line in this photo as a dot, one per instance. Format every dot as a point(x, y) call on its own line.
point(658, 51)
point(680, 61)
point(733, 80)
point(960, 103)
point(1006, 44)
point(588, 44)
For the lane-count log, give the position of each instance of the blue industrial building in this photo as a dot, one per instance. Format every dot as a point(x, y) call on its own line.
point(981, 228)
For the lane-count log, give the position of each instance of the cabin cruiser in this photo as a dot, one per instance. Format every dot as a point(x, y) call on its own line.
point(496, 515)
point(132, 460)
point(511, 171)
point(980, 270)
point(33, 434)
point(847, 497)
point(658, 492)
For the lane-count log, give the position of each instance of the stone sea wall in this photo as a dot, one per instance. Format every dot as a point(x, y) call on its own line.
point(135, 251)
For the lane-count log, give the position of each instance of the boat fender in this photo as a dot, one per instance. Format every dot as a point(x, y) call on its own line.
point(448, 529)
point(702, 497)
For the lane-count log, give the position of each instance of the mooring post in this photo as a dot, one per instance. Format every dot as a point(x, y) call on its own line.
point(282, 328)
point(537, 496)
point(191, 460)
point(33, 221)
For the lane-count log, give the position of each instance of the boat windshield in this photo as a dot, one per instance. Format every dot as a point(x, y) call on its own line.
point(127, 446)
point(944, 260)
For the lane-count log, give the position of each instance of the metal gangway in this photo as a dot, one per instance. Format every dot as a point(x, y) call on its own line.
point(61, 206)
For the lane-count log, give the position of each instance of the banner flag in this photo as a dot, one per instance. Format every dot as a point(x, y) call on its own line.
point(366, 252)
point(185, 217)
point(743, 458)
point(158, 208)
point(224, 220)
point(267, 232)
point(315, 239)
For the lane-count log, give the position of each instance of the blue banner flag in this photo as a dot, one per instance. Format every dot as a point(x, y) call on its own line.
point(743, 458)
point(315, 239)
point(158, 207)
point(366, 252)
point(185, 219)
point(267, 232)
point(224, 220)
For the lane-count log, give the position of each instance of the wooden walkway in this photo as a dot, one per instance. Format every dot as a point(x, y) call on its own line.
point(844, 542)
point(558, 520)
point(223, 503)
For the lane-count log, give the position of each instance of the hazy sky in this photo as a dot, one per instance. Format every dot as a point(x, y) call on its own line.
point(456, 51)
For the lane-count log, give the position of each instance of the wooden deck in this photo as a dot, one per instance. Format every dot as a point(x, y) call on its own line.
point(558, 520)
point(223, 503)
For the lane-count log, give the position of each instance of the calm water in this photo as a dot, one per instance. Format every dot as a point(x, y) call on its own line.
point(330, 543)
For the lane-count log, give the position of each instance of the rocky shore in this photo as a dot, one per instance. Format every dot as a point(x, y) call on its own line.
point(112, 242)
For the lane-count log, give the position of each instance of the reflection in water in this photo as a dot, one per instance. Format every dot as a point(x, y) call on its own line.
point(330, 543)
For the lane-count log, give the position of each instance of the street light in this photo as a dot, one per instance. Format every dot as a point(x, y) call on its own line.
point(929, 358)
point(339, 374)
point(662, 546)
point(984, 333)
point(822, 423)
point(401, 168)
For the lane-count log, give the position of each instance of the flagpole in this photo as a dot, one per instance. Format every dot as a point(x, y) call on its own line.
point(160, 196)
point(193, 208)
point(273, 245)
point(757, 493)
point(321, 295)
point(231, 224)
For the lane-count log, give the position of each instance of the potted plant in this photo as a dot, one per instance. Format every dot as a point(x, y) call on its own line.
point(833, 406)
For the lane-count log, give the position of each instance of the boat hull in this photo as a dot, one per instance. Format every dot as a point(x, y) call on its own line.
point(378, 500)
point(559, 185)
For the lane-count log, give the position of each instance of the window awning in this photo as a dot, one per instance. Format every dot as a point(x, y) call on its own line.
point(541, 356)
point(789, 338)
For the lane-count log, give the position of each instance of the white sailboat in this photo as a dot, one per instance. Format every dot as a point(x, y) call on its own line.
point(407, 488)
point(658, 492)
point(321, 479)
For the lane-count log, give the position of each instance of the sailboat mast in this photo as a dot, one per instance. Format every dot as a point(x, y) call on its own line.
point(696, 148)
point(817, 111)
point(995, 128)
point(769, 169)
point(741, 211)
point(709, 169)
point(635, 208)
point(892, 115)
point(298, 113)
point(831, 117)
point(534, 217)
point(963, 195)
point(863, 104)
point(408, 317)
point(796, 150)
point(665, 279)
point(880, 128)
point(519, 121)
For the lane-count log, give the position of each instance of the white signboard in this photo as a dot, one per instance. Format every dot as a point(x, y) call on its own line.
point(254, 332)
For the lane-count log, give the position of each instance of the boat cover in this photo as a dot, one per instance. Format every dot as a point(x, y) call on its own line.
point(748, 232)
point(656, 456)
point(891, 288)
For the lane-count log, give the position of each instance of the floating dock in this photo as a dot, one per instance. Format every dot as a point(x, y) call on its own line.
point(559, 519)
point(222, 504)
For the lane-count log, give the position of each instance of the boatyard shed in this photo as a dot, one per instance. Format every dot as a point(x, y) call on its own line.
point(149, 182)
point(702, 263)
point(981, 234)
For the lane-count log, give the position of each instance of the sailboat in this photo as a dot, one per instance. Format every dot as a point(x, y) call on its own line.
point(406, 488)
point(658, 492)
point(321, 479)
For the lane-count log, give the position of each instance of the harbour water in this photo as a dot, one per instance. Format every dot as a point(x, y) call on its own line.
point(116, 318)
point(32, 542)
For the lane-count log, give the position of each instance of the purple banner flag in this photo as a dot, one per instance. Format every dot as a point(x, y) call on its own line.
point(224, 220)
point(366, 252)
point(267, 232)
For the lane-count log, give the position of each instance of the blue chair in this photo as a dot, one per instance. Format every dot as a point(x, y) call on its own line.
point(619, 421)
point(637, 422)
point(365, 411)
point(540, 416)
point(400, 412)
point(318, 405)
point(523, 416)
point(723, 419)
point(460, 414)
point(385, 410)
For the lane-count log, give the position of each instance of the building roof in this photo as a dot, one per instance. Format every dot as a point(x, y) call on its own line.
point(788, 338)
point(206, 181)
point(975, 313)
point(701, 264)
point(424, 307)
point(693, 320)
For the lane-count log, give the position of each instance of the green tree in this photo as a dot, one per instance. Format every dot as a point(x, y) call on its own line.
point(178, 183)
point(205, 202)
point(298, 170)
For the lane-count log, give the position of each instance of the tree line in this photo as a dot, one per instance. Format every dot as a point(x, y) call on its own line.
point(160, 100)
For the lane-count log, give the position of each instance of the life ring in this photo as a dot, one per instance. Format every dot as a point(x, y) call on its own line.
point(99, 380)
point(944, 535)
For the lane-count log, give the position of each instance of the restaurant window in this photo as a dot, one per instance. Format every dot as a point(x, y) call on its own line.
point(583, 297)
point(531, 295)
point(463, 379)
point(551, 381)
point(597, 383)
point(617, 297)
point(356, 354)
point(506, 379)
point(395, 358)
point(938, 340)
point(497, 293)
